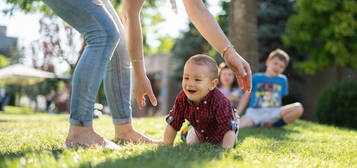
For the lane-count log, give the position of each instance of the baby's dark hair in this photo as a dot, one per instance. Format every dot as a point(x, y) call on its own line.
point(221, 67)
point(280, 54)
point(202, 59)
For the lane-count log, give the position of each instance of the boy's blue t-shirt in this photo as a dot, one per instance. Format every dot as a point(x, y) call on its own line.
point(268, 91)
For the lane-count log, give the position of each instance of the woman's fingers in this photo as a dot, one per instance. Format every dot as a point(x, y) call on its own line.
point(145, 91)
point(238, 67)
point(242, 70)
point(142, 100)
point(152, 97)
point(245, 81)
point(248, 77)
point(240, 82)
point(150, 93)
point(242, 73)
point(138, 100)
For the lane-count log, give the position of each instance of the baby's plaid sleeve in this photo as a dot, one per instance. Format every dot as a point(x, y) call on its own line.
point(176, 115)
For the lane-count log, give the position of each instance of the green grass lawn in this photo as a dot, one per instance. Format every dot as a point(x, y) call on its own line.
point(36, 140)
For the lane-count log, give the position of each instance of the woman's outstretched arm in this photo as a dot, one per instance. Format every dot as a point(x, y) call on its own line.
point(131, 19)
point(212, 32)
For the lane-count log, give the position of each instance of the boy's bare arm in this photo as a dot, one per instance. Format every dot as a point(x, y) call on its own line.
point(169, 135)
point(243, 102)
point(229, 140)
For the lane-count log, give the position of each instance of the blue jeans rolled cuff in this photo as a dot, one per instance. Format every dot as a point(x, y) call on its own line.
point(88, 123)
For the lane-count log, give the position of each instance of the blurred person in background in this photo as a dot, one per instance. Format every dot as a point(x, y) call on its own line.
point(228, 85)
point(4, 98)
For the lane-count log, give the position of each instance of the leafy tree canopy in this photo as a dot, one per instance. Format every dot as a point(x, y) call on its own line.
point(326, 31)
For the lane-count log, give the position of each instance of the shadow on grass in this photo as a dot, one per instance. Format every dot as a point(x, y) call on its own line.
point(18, 155)
point(281, 133)
point(179, 156)
point(5, 121)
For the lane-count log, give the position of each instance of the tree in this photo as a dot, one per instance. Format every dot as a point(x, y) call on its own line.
point(272, 18)
point(58, 42)
point(4, 61)
point(190, 43)
point(324, 31)
point(243, 30)
point(27, 6)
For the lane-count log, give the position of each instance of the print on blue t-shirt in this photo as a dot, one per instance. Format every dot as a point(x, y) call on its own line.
point(267, 91)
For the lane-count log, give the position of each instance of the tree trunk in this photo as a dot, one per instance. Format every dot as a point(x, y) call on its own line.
point(243, 30)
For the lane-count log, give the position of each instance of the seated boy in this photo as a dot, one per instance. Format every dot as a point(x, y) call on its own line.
point(203, 105)
point(267, 90)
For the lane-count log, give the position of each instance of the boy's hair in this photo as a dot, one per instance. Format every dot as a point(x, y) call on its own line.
point(202, 59)
point(280, 54)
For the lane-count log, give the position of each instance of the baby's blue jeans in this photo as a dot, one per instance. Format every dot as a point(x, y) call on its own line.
point(104, 58)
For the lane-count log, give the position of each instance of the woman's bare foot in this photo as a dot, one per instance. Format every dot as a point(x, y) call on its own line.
point(126, 133)
point(83, 136)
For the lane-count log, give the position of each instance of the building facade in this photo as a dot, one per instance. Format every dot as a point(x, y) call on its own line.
point(8, 45)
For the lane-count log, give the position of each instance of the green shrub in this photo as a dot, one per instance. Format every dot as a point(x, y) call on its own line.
point(338, 105)
point(4, 61)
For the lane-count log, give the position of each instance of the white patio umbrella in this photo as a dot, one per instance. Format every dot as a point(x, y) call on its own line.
point(23, 75)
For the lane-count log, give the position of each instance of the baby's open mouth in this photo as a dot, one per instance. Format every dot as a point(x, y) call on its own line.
point(191, 91)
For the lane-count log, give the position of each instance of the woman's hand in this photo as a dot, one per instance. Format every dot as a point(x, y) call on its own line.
point(240, 67)
point(142, 88)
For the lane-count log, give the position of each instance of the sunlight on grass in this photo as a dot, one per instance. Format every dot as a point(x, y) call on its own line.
point(36, 140)
point(18, 110)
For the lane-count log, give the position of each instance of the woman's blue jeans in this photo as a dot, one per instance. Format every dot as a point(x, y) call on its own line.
point(104, 58)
